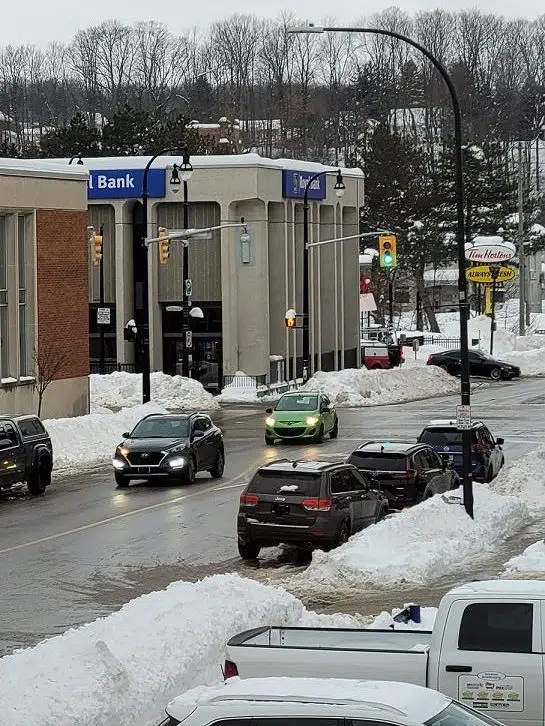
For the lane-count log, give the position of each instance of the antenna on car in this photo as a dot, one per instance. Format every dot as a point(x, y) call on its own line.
point(382, 449)
point(294, 465)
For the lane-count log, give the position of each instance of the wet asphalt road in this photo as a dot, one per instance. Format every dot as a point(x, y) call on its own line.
point(85, 548)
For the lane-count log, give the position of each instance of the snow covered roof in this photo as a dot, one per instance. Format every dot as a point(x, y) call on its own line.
point(43, 168)
point(443, 274)
point(213, 161)
point(512, 588)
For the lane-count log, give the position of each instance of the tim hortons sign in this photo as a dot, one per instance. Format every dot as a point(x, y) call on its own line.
point(489, 249)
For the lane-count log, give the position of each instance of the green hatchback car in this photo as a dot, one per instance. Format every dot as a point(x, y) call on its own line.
point(300, 415)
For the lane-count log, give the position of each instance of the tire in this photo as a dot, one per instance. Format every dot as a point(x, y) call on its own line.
point(335, 430)
point(381, 515)
point(445, 368)
point(456, 483)
point(248, 550)
point(319, 438)
point(191, 472)
point(216, 472)
point(489, 474)
point(422, 496)
point(343, 535)
point(495, 374)
point(40, 478)
point(121, 481)
point(269, 441)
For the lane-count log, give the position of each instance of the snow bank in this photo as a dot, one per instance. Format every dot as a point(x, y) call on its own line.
point(236, 393)
point(418, 546)
point(532, 560)
point(355, 387)
point(524, 478)
point(123, 669)
point(173, 392)
point(88, 440)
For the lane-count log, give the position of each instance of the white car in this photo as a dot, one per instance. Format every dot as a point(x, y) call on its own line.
point(318, 702)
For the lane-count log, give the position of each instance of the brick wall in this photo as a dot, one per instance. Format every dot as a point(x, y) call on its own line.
point(62, 279)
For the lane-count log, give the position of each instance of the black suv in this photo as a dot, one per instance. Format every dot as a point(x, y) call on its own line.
point(313, 504)
point(164, 447)
point(486, 452)
point(480, 364)
point(26, 453)
point(407, 472)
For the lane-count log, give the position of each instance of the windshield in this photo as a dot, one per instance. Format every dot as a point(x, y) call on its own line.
point(280, 482)
point(297, 403)
point(378, 462)
point(455, 714)
point(443, 437)
point(168, 427)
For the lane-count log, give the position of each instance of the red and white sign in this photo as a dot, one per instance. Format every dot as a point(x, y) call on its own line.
point(490, 249)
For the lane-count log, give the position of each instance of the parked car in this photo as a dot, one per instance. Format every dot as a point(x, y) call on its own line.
point(301, 415)
point(485, 649)
point(163, 447)
point(486, 452)
point(375, 354)
point(407, 472)
point(318, 702)
point(316, 504)
point(26, 453)
point(480, 364)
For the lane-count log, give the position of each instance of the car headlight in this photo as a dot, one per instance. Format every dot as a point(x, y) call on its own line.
point(177, 462)
point(312, 420)
point(118, 464)
point(269, 421)
point(122, 451)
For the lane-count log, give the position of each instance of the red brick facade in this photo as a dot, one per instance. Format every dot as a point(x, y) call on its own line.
point(63, 295)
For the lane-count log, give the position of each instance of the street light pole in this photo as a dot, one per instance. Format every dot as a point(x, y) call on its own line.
point(145, 331)
point(186, 170)
point(339, 189)
point(463, 303)
point(101, 296)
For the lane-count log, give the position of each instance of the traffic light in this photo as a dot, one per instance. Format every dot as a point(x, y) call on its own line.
point(96, 241)
point(387, 250)
point(164, 246)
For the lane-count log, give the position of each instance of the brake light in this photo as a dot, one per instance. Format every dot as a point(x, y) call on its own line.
point(409, 474)
point(249, 500)
point(317, 505)
point(431, 358)
point(230, 670)
point(478, 448)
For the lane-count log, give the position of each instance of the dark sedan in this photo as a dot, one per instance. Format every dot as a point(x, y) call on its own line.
point(170, 447)
point(480, 364)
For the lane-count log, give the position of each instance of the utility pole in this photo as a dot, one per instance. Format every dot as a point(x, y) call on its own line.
point(522, 261)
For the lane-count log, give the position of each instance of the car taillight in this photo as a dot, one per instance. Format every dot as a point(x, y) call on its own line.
point(250, 500)
point(478, 448)
point(230, 669)
point(317, 505)
point(431, 358)
point(409, 474)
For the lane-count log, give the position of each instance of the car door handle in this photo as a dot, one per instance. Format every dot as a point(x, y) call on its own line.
point(458, 669)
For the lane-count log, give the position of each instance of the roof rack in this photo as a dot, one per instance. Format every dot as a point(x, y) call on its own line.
point(387, 441)
point(264, 698)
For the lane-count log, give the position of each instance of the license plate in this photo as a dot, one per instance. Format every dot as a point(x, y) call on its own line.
point(280, 509)
point(144, 470)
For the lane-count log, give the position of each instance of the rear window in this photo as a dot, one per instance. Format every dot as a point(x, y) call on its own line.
point(443, 437)
point(278, 482)
point(379, 462)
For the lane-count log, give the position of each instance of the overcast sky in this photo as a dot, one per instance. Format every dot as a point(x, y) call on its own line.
point(41, 21)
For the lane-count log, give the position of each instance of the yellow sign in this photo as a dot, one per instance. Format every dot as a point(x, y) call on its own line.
point(482, 273)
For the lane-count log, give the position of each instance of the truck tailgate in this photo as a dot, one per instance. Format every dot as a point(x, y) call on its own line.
point(331, 653)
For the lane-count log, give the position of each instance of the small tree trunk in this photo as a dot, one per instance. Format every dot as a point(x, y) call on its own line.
point(428, 309)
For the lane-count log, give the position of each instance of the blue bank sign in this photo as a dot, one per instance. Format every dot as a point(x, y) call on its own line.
point(125, 183)
point(294, 184)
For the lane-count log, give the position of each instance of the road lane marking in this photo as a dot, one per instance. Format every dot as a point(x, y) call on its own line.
point(116, 517)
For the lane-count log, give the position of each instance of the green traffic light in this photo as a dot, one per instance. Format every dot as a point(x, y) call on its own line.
point(388, 259)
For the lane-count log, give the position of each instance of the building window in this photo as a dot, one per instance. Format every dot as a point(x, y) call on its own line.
point(4, 318)
point(23, 318)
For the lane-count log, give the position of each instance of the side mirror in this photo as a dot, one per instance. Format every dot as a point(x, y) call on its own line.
point(500, 441)
point(268, 410)
point(198, 434)
point(125, 434)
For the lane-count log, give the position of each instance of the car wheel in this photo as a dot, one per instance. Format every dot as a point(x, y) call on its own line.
point(216, 472)
point(456, 482)
point(191, 472)
point(489, 474)
point(445, 368)
point(495, 374)
point(319, 438)
point(248, 550)
point(335, 430)
point(121, 481)
point(343, 535)
point(40, 478)
point(422, 496)
point(269, 441)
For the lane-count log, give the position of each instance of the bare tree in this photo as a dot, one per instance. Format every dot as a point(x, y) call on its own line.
point(48, 361)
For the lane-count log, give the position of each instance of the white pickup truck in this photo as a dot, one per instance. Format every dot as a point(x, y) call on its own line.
point(486, 650)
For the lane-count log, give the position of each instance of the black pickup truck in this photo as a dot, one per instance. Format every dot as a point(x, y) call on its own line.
point(26, 453)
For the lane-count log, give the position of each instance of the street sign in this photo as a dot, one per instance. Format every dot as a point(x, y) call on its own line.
point(188, 339)
point(188, 286)
point(103, 316)
point(463, 417)
point(489, 249)
point(482, 274)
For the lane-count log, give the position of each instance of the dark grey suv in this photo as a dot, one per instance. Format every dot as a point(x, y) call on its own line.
point(312, 504)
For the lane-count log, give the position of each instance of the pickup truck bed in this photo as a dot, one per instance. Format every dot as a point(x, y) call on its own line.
point(394, 653)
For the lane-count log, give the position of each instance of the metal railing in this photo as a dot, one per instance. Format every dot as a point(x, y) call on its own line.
point(245, 381)
point(111, 367)
point(452, 342)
